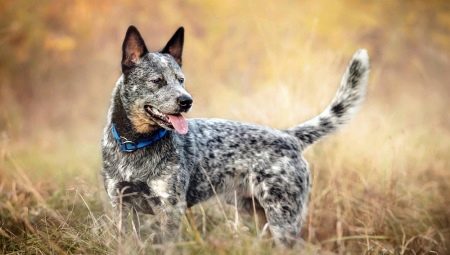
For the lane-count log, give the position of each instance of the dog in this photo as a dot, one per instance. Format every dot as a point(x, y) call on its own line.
point(157, 162)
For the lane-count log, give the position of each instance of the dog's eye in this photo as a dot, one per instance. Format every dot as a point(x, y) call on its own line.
point(181, 80)
point(158, 81)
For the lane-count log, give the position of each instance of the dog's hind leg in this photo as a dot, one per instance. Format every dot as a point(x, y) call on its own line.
point(283, 200)
point(253, 208)
point(284, 227)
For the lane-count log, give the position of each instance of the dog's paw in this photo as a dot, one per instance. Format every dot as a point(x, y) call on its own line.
point(139, 196)
point(126, 187)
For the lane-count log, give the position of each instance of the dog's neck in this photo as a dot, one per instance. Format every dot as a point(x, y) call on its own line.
point(123, 124)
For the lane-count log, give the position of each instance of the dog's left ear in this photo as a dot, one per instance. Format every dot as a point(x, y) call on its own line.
point(175, 45)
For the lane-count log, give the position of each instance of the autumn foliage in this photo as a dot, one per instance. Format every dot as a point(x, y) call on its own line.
point(381, 186)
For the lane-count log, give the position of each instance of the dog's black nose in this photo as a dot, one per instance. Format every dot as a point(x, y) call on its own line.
point(185, 102)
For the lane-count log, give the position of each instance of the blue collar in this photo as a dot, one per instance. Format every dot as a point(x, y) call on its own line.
point(130, 146)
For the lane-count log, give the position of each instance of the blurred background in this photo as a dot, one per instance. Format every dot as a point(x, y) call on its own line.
point(274, 63)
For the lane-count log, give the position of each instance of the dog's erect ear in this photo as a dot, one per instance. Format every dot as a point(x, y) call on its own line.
point(175, 45)
point(133, 48)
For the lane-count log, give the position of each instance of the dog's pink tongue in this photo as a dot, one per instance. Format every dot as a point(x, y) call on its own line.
point(179, 123)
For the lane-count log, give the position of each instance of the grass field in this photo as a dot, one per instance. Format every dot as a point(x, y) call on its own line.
point(381, 185)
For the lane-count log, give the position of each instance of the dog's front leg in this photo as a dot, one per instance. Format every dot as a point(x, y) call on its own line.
point(115, 194)
point(170, 219)
point(171, 189)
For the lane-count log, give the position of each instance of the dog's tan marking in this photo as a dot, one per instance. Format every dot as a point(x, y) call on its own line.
point(141, 122)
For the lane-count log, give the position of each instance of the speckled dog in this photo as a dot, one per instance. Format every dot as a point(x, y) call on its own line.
point(157, 162)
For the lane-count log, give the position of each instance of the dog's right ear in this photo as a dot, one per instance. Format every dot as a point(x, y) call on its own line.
point(133, 48)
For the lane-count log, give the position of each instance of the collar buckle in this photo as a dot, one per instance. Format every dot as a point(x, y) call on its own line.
point(127, 146)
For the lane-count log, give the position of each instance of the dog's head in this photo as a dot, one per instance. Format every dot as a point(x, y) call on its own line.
point(153, 92)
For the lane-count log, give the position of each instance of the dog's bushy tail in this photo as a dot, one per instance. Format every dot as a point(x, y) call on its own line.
point(348, 97)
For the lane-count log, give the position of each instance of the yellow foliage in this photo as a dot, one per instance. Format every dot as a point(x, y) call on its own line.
point(381, 186)
point(59, 43)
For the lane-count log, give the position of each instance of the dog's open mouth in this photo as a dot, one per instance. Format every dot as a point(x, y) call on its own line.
point(171, 121)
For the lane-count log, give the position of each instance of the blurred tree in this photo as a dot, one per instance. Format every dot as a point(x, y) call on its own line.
point(48, 48)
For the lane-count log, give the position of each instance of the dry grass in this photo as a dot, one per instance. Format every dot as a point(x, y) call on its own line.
point(380, 186)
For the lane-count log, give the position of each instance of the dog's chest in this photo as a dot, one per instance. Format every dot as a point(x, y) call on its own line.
point(160, 185)
point(133, 171)
point(146, 170)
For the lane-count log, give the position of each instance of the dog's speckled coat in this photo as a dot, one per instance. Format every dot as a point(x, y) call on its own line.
point(215, 156)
